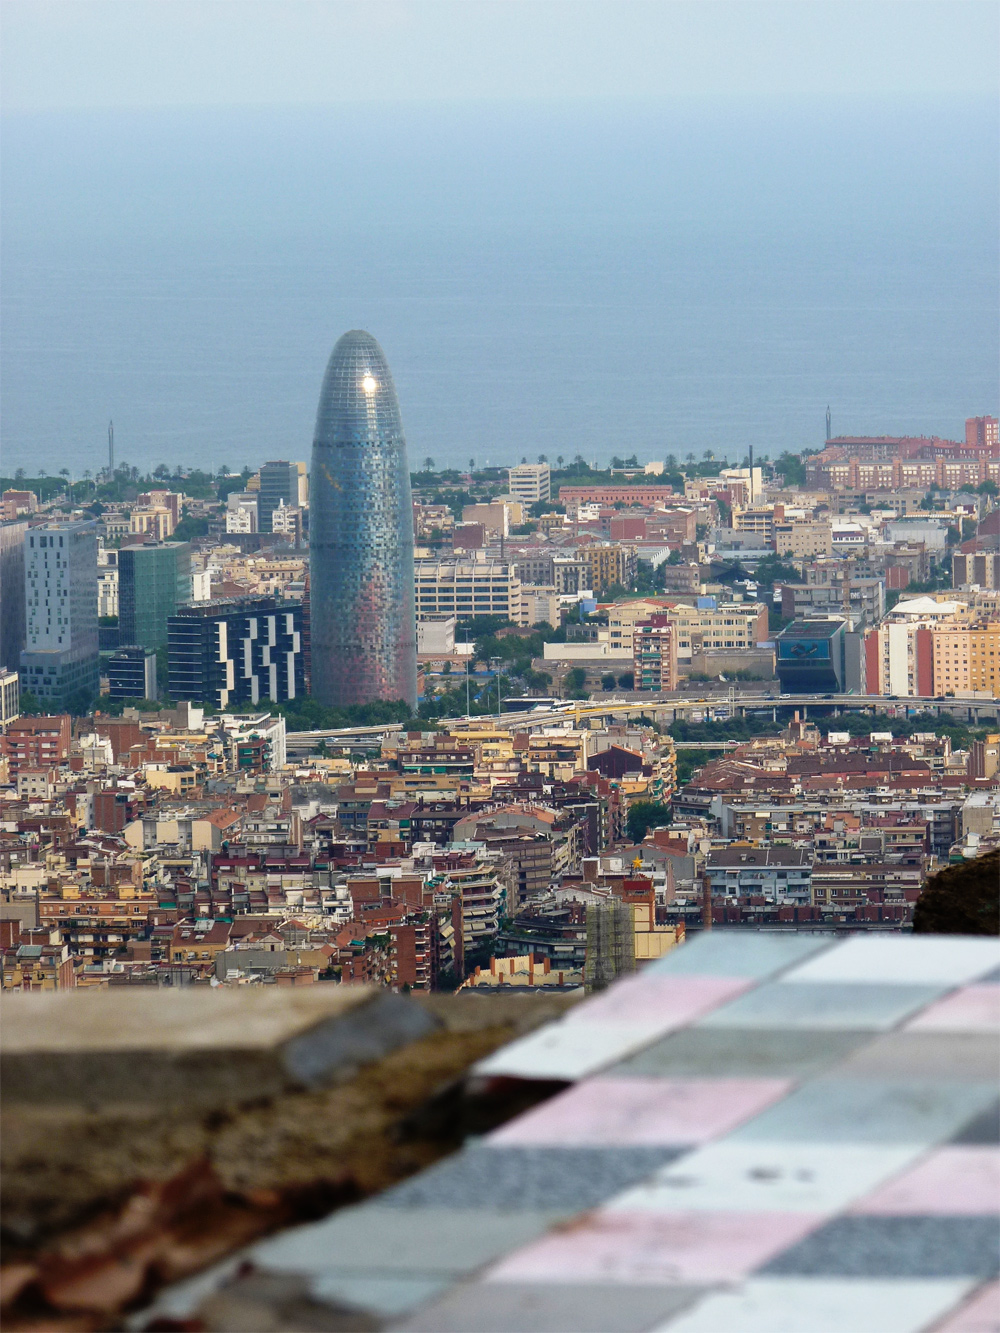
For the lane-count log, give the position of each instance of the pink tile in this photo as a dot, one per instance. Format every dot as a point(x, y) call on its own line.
point(971, 1009)
point(624, 1111)
point(655, 1247)
point(979, 1314)
point(671, 1001)
point(950, 1180)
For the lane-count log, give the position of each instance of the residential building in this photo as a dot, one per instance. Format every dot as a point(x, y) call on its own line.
point(154, 582)
point(801, 539)
point(38, 742)
point(608, 566)
point(530, 482)
point(783, 874)
point(10, 695)
point(363, 638)
point(975, 568)
point(60, 658)
point(236, 651)
point(654, 653)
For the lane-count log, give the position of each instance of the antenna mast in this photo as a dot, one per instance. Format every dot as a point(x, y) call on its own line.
point(829, 435)
point(111, 449)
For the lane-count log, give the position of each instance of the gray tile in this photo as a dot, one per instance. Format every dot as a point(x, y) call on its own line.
point(515, 1179)
point(982, 1128)
point(519, 1307)
point(886, 1247)
point(705, 1052)
point(386, 1242)
point(822, 1004)
point(389, 1297)
point(856, 1110)
point(739, 953)
point(931, 1055)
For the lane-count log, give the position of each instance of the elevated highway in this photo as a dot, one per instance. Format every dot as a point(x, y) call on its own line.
point(665, 709)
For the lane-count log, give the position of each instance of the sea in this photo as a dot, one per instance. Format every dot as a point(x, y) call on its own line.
point(558, 279)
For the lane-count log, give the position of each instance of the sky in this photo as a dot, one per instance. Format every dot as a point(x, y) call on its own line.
point(77, 54)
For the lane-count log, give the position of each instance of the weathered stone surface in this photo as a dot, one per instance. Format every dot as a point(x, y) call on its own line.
point(205, 1047)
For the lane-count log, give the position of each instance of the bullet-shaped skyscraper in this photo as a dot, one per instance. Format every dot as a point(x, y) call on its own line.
point(363, 628)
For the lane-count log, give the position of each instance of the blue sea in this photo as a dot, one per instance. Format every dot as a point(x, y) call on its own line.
point(545, 279)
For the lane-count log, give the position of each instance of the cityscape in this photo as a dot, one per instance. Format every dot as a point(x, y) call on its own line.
point(525, 857)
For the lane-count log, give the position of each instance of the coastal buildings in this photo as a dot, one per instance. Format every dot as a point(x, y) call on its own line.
point(363, 628)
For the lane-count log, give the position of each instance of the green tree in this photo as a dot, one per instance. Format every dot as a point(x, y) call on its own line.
point(626, 681)
point(608, 681)
point(791, 468)
point(644, 815)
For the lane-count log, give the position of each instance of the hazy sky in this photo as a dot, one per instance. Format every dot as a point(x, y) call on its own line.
point(68, 54)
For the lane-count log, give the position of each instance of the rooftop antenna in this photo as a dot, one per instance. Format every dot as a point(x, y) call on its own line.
point(111, 448)
point(829, 434)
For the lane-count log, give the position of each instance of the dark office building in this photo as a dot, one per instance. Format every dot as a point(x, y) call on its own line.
point(362, 622)
point(153, 583)
point(230, 653)
point(819, 657)
point(279, 483)
point(12, 607)
point(131, 673)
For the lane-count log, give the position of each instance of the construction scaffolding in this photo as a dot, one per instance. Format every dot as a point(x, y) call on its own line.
point(610, 943)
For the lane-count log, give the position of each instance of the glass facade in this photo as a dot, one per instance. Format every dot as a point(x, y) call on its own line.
point(363, 627)
point(154, 582)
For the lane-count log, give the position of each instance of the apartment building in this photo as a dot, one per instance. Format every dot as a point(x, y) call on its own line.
point(60, 573)
point(654, 653)
point(801, 539)
point(608, 565)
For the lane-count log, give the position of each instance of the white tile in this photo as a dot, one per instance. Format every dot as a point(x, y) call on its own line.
point(822, 1305)
point(569, 1050)
point(946, 960)
point(768, 1177)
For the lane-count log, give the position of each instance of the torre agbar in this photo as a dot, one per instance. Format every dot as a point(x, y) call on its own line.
point(363, 629)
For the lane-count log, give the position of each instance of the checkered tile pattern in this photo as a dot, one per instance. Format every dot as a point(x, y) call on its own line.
point(762, 1133)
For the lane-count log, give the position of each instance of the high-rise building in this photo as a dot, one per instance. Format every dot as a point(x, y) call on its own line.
point(530, 482)
point(12, 619)
point(982, 432)
point(279, 485)
point(154, 582)
point(59, 664)
point(363, 629)
point(232, 652)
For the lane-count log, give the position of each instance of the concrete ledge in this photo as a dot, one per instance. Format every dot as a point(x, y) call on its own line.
point(204, 1048)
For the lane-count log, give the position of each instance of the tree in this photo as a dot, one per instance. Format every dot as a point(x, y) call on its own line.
point(674, 558)
point(988, 487)
point(644, 815)
point(574, 683)
point(792, 469)
point(543, 458)
point(961, 900)
point(428, 464)
point(626, 681)
point(608, 681)
point(559, 460)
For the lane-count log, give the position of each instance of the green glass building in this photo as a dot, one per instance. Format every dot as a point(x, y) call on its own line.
point(154, 582)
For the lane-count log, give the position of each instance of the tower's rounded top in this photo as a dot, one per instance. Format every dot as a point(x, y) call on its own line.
point(358, 398)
